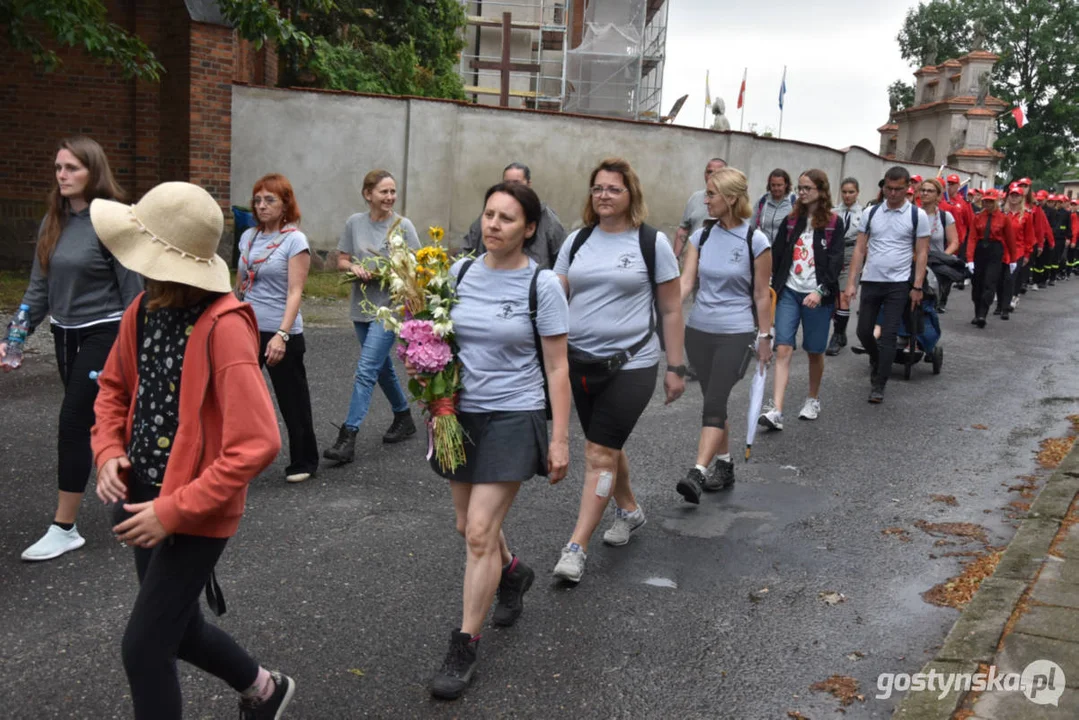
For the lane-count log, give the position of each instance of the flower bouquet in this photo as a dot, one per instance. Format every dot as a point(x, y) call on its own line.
point(421, 296)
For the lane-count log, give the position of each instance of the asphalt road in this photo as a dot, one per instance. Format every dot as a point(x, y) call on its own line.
point(351, 582)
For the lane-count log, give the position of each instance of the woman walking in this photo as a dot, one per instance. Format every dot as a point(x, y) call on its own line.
point(365, 236)
point(733, 261)
point(807, 258)
point(850, 212)
point(621, 277)
point(943, 230)
point(989, 250)
point(184, 422)
point(1024, 223)
point(79, 283)
point(511, 320)
point(274, 261)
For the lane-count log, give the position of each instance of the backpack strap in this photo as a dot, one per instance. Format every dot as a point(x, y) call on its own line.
point(647, 237)
point(533, 314)
point(463, 270)
point(752, 276)
point(760, 208)
point(578, 240)
point(708, 225)
point(913, 224)
point(869, 220)
point(829, 231)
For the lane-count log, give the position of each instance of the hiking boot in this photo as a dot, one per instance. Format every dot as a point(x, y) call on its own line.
point(720, 476)
point(570, 566)
point(1004, 315)
point(771, 419)
point(511, 591)
point(55, 542)
point(345, 448)
point(996, 310)
point(402, 428)
point(691, 486)
point(456, 672)
point(837, 343)
point(273, 707)
point(624, 525)
point(811, 409)
point(980, 322)
point(876, 395)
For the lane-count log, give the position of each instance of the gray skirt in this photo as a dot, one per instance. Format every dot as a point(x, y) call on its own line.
point(501, 447)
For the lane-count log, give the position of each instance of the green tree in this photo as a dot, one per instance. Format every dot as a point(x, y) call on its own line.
point(30, 24)
point(1038, 44)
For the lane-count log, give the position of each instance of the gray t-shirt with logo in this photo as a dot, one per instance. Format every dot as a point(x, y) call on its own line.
point(891, 243)
point(363, 238)
point(724, 305)
point(501, 370)
point(268, 293)
point(610, 297)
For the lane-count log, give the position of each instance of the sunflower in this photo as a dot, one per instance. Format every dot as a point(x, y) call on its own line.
point(436, 233)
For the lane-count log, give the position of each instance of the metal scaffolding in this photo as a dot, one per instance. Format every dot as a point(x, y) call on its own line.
point(617, 70)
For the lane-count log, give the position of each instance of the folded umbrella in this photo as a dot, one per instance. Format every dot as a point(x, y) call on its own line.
point(756, 401)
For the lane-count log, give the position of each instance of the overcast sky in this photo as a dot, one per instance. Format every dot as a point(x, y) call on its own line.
point(841, 56)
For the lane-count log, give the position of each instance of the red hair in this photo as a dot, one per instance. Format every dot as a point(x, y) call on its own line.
point(280, 186)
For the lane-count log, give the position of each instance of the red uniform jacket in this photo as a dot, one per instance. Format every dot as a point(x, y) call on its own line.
point(1024, 233)
point(1002, 230)
point(1043, 231)
point(963, 214)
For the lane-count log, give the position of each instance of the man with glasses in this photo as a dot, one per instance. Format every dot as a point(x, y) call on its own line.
point(696, 211)
point(890, 233)
point(549, 232)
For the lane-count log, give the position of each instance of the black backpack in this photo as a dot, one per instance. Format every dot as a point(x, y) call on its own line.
point(647, 237)
point(533, 309)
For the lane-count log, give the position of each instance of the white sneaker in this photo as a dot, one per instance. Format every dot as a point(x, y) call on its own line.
point(771, 419)
point(55, 542)
point(571, 565)
point(624, 525)
point(811, 409)
point(297, 477)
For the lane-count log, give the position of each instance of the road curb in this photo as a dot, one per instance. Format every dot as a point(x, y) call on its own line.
point(974, 637)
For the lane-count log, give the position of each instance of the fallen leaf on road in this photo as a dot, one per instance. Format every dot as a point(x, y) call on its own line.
point(899, 532)
point(856, 655)
point(356, 671)
point(844, 688)
point(967, 530)
point(797, 715)
point(946, 499)
point(979, 427)
point(957, 591)
point(1053, 450)
point(831, 597)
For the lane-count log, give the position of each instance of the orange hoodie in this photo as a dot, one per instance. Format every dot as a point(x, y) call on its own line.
point(227, 432)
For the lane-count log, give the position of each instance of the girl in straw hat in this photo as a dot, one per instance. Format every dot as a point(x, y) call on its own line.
point(85, 291)
point(184, 422)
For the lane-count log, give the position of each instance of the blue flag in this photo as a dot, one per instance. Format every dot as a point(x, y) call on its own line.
point(783, 88)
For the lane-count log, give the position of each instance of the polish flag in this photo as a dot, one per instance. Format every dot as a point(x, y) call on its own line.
point(1020, 115)
point(742, 90)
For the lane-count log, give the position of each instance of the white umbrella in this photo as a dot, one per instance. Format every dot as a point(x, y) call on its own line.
point(756, 401)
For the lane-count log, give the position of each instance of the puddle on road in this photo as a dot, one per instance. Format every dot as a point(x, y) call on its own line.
point(661, 582)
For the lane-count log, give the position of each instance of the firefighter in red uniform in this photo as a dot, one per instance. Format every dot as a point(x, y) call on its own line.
point(991, 248)
point(1043, 243)
point(1023, 220)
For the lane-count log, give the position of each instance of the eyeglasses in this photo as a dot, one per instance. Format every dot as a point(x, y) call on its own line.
point(806, 188)
point(610, 190)
point(265, 200)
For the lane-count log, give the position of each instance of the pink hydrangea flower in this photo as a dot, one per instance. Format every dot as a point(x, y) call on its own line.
point(421, 347)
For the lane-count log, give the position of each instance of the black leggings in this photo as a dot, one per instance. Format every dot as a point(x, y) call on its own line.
point(289, 378)
point(78, 352)
point(717, 360)
point(166, 622)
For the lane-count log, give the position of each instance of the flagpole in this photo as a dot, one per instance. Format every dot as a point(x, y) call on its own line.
point(782, 92)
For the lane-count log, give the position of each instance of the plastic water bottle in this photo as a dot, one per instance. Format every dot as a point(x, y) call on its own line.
point(16, 337)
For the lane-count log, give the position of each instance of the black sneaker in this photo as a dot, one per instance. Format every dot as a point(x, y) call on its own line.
point(996, 310)
point(980, 322)
point(453, 677)
point(876, 395)
point(1004, 315)
point(274, 707)
point(721, 476)
point(402, 428)
point(691, 485)
point(836, 344)
point(942, 310)
point(511, 591)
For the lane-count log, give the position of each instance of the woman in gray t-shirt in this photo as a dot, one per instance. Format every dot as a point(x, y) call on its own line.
point(611, 307)
point(274, 261)
point(365, 236)
point(501, 409)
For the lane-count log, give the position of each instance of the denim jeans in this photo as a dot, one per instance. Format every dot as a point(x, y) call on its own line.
point(376, 342)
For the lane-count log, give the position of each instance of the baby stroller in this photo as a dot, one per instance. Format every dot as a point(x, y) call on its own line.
point(919, 333)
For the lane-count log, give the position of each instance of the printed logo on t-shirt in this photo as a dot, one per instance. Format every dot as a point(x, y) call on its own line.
point(736, 255)
point(505, 310)
point(625, 260)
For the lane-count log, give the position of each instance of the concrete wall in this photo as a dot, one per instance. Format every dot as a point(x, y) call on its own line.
point(446, 154)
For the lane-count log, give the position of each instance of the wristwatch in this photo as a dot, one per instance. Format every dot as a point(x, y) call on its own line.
point(912, 287)
point(283, 335)
point(679, 370)
point(765, 336)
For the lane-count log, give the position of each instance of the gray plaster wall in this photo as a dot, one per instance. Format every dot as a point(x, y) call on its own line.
point(445, 155)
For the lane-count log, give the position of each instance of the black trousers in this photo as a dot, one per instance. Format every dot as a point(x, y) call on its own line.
point(1005, 287)
point(894, 299)
point(167, 624)
point(78, 353)
point(289, 378)
point(1060, 256)
point(1023, 276)
point(1039, 273)
point(718, 360)
point(987, 266)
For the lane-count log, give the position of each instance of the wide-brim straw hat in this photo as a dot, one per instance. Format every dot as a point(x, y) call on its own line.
point(170, 235)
